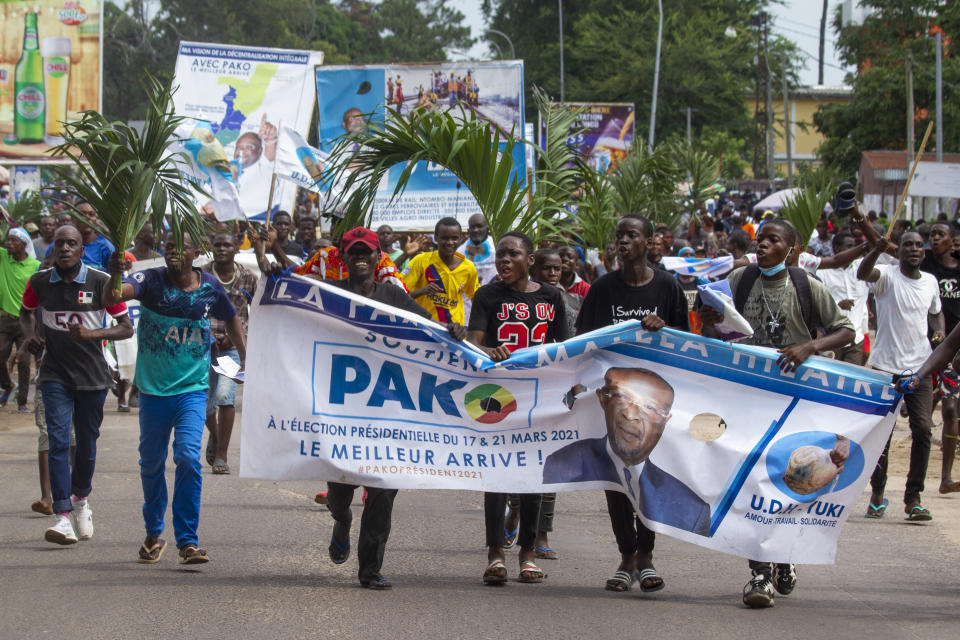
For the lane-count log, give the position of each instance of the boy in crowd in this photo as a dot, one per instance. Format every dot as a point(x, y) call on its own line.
point(440, 280)
point(773, 302)
point(173, 362)
point(509, 314)
point(636, 290)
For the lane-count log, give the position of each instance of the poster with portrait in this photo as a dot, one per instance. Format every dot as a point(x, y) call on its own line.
point(241, 96)
point(351, 97)
point(710, 441)
point(604, 132)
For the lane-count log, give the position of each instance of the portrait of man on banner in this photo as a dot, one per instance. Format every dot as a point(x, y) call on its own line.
point(636, 405)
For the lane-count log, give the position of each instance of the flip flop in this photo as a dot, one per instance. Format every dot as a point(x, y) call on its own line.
point(191, 554)
point(339, 552)
point(530, 573)
point(510, 537)
point(546, 553)
point(649, 574)
point(620, 582)
point(152, 554)
point(918, 513)
point(876, 511)
point(495, 573)
point(378, 584)
point(950, 488)
point(220, 467)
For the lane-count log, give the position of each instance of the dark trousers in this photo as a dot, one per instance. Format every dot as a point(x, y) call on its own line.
point(919, 406)
point(374, 524)
point(494, 507)
point(631, 534)
point(852, 353)
point(64, 408)
point(10, 337)
point(547, 509)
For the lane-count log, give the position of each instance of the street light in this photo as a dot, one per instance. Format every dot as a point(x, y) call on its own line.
point(656, 78)
point(513, 52)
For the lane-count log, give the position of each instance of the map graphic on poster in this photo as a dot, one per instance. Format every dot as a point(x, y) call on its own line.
point(49, 72)
point(244, 94)
point(606, 133)
point(349, 97)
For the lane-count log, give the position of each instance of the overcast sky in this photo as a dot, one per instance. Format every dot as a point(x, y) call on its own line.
point(798, 20)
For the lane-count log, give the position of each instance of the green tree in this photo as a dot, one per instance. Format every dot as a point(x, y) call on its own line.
point(875, 117)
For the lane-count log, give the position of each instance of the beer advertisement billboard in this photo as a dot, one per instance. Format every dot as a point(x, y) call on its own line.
point(605, 132)
point(50, 72)
point(348, 97)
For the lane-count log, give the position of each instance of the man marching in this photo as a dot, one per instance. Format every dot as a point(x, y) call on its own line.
point(73, 374)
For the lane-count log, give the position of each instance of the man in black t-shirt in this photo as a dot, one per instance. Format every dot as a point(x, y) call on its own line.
point(73, 374)
point(944, 264)
point(360, 250)
point(509, 314)
point(634, 292)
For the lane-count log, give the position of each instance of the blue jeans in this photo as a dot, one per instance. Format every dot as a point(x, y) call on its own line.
point(184, 415)
point(223, 390)
point(64, 407)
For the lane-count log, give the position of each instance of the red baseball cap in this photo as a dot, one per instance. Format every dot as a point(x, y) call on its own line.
point(359, 234)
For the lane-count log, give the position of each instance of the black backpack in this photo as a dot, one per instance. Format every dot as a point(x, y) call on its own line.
point(800, 282)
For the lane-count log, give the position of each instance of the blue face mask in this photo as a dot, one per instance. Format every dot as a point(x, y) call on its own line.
point(774, 270)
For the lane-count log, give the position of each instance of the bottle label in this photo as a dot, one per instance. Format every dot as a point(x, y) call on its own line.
point(30, 41)
point(30, 103)
point(56, 67)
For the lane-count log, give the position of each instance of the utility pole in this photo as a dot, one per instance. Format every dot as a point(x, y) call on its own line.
point(656, 79)
point(560, 11)
point(786, 124)
point(939, 97)
point(767, 89)
point(759, 116)
point(823, 37)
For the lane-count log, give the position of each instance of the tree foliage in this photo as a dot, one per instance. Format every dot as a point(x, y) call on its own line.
point(876, 117)
point(348, 31)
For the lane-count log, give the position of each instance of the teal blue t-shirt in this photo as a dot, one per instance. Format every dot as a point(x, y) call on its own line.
point(173, 332)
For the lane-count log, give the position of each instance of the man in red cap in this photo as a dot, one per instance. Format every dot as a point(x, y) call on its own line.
point(360, 250)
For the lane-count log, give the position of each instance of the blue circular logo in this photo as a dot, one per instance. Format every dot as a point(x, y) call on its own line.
point(778, 463)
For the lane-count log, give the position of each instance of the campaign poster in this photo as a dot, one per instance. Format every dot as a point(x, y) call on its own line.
point(711, 441)
point(50, 72)
point(242, 95)
point(605, 133)
point(351, 97)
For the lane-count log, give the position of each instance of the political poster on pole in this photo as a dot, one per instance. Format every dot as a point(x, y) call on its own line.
point(605, 132)
point(710, 441)
point(243, 94)
point(350, 97)
point(50, 72)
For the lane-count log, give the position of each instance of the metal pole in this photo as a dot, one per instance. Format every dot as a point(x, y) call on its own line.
point(786, 125)
point(656, 78)
point(767, 88)
point(560, 11)
point(689, 135)
point(939, 97)
point(910, 124)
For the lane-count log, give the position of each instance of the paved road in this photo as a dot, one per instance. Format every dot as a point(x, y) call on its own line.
point(270, 576)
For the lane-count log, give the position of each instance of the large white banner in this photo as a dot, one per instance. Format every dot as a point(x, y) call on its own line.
point(245, 94)
point(713, 444)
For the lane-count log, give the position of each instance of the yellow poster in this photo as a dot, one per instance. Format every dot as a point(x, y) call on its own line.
point(50, 71)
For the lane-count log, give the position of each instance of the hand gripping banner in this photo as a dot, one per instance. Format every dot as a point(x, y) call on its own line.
point(711, 441)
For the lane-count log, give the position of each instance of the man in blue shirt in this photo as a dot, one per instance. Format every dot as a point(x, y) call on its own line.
point(173, 359)
point(96, 249)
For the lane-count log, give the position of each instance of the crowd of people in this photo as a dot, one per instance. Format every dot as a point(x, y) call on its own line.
point(58, 307)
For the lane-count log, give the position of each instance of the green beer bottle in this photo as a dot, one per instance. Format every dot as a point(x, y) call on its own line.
point(28, 116)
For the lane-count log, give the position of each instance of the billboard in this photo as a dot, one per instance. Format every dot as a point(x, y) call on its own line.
point(606, 132)
point(49, 71)
point(350, 96)
point(243, 95)
point(936, 180)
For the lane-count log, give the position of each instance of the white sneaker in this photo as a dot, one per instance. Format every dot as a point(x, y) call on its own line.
point(83, 517)
point(61, 532)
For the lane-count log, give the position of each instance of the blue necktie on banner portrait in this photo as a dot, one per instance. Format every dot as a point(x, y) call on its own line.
point(208, 167)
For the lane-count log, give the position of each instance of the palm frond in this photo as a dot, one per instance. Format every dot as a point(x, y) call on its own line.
point(28, 207)
point(128, 176)
point(806, 206)
point(702, 170)
point(646, 183)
